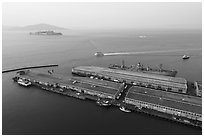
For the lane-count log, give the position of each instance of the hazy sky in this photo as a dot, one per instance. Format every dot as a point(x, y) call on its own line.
point(105, 15)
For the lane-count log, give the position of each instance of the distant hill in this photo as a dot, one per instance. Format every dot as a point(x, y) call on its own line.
point(36, 27)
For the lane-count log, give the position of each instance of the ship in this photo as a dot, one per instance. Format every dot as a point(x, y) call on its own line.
point(46, 32)
point(140, 68)
point(24, 83)
point(99, 54)
point(185, 57)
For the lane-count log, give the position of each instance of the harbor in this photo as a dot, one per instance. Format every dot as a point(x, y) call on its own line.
point(183, 106)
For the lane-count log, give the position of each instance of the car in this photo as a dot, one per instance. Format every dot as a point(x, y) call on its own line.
point(74, 82)
point(118, 96)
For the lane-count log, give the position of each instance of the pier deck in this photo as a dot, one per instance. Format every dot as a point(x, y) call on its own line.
point(168, 95)
point(166, 102)
point(86, 84)
point(49, 81)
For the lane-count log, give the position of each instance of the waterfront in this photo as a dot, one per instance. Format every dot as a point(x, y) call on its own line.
point(30, 111)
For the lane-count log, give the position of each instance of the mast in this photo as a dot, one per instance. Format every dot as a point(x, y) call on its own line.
point(123, 64)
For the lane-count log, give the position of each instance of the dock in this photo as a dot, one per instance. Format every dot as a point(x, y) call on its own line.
point(98, 88)
point(167, 83)
point(171, 105)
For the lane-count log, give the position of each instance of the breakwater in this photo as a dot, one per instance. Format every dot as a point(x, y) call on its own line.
point(29, 67)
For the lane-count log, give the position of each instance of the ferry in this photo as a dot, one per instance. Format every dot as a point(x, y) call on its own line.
point(124, 109)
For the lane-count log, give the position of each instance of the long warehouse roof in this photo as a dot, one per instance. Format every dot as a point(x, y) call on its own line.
point(165, 102)
point(97, 86)
point(169, 95)
point(108, 84)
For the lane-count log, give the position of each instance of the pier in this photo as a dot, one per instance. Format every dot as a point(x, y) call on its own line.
point(106, 92)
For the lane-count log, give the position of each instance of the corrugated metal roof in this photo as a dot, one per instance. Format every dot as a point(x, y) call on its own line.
point(165, 102)
point(68, 81)
point(169, 95)
point(98, 82)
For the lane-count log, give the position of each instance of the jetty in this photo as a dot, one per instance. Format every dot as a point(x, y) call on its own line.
point(129, 92)
point(29, 67)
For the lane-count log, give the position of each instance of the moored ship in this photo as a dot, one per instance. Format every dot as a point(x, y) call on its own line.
point(23, 82)
point(140, 68)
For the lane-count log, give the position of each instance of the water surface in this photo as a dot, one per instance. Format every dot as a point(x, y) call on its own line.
point(34, 111)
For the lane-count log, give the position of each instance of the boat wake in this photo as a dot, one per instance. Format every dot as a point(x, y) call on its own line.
point(145, 52)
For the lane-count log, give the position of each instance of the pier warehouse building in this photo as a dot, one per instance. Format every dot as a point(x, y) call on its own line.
point(95, 87)
point(172, 103)
point(174, 84)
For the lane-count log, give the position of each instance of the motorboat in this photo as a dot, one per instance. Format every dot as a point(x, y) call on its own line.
point(124, 109)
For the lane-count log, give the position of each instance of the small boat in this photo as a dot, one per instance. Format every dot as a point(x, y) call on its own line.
point(185, 57)
point(103, 103)
point(24, 82)
point(99, 54)
point(124, 109)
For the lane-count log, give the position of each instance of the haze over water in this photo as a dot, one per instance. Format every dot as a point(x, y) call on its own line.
point(34, 111)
